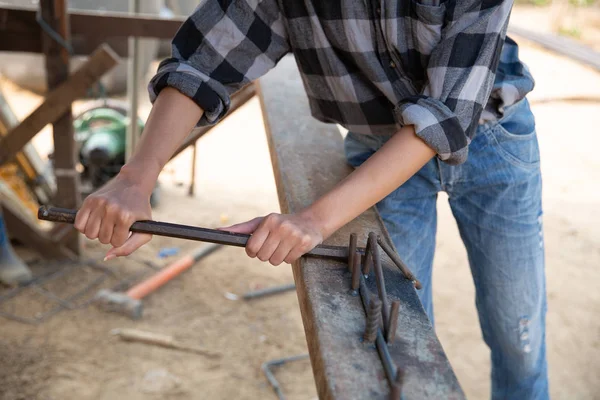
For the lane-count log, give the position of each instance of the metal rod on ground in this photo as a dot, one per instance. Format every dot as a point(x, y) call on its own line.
point(268, 291)
point(191, 233)
point(130, 302)
point(266, 368)
point(396, 259)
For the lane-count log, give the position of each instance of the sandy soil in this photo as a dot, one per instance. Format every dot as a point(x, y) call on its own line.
point(73, 354)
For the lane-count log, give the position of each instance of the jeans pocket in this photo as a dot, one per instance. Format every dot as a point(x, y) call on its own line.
point(359, 147)
point(515, 139)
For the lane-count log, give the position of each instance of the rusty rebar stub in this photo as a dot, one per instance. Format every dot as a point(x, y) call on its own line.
point(352, 251)
point(379, 279)
point(392, 322)
point(356, 272)
point(396, 386)
point(391, 252)
point(373, 318)
point(367, 260)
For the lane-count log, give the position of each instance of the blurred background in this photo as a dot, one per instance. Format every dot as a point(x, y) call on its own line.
point(62, 349)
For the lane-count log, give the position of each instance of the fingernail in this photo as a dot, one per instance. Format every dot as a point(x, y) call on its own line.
point(109, 257)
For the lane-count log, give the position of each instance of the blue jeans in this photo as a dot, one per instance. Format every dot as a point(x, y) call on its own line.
point(495, 197)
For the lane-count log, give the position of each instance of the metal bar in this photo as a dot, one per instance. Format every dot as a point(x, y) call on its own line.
point(373, 318)
point(392, 323)
point(266, 368)
point(367, 260)
point(380, 344)
point(269, 291)
point(379, 280)
point(352, 252)
point(191, 233)
point(396, 259)
point(356, 272)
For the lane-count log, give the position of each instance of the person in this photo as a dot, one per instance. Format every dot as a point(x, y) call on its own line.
point(434, 96)
point(13, 271)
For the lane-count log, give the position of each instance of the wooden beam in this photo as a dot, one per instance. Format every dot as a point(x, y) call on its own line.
point(308, 160)
point(57, 102)
point(19, 30)
point(23, 227)
point(39, 180)
point(559, 44)
point(68, 193)
point(237, 100)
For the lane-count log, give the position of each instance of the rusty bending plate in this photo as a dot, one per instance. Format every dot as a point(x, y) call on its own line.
point(307, 160)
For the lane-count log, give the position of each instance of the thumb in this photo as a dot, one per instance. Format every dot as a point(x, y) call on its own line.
point(245, 227)
point(135, 241)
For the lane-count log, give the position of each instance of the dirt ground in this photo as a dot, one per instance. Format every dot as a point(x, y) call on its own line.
point(73, 355)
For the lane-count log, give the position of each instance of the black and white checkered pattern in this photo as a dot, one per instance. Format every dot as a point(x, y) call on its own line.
point(371, 66)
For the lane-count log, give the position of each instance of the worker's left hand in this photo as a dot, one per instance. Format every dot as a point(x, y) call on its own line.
point(279, 238)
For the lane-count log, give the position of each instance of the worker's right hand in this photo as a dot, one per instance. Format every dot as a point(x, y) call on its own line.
point(108, 214)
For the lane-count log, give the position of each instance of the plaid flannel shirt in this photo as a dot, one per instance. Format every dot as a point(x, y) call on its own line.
point(371, 66)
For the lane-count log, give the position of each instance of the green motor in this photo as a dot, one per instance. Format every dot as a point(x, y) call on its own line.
point(101, 133)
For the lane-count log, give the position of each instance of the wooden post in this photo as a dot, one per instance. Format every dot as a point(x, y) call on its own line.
point(68, 195)
point(133, 81)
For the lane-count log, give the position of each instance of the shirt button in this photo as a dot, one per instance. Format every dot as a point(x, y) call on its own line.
point(392, 64)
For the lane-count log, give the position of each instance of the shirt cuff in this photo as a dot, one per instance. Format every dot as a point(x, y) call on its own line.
point(437, 125)
point(207, 93)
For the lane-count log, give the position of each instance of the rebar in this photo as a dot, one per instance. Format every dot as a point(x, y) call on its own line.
point(352, 251)
point(379, 279)
point(269, 291)
point(398, 261)
point(392, 322)
point(373, 318)
point(266, 368)
point(396, 386)
point(356, 272)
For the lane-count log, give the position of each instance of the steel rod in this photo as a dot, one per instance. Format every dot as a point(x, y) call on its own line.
point(268, 291)
point(191, 233)
point(392, 323)
point(373, 318)
point(352, 251)
point(356, 272)
point(379, 279)
point(380, 344)
point(396, 259)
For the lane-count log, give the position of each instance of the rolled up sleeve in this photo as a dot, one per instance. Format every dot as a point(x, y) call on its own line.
point(460, 77)
point(220, 48)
